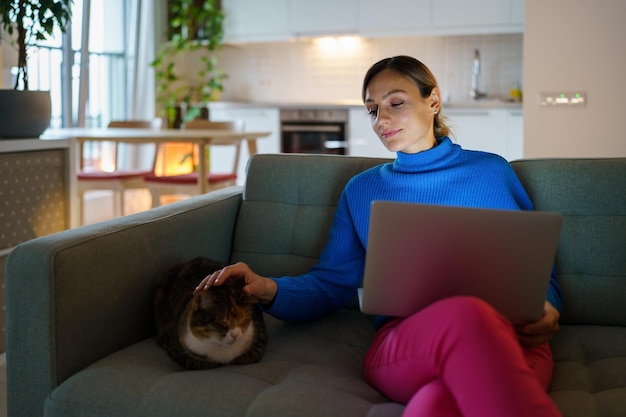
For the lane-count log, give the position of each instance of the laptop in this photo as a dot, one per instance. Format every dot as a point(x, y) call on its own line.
point(418, 254)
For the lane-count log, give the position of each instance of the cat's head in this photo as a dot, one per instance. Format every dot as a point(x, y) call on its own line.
point(223, 312)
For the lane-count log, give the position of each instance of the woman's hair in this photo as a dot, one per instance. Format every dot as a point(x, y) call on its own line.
point(417, 72)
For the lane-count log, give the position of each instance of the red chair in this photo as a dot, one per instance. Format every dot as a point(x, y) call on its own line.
point(118, 180)
point(187, 184)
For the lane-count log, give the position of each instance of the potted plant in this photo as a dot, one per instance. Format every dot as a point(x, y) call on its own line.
point(194, 35)
point(25, 113)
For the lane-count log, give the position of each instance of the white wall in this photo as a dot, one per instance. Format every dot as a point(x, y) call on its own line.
point(575, 45)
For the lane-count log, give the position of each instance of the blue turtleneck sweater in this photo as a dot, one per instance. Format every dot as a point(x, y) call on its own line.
point(443, 175)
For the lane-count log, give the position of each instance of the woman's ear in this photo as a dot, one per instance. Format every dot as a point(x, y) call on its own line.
point(435, 100)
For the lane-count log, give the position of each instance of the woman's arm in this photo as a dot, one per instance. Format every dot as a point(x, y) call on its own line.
point(328, 286)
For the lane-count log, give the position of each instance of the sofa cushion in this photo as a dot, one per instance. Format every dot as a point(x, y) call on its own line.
point(286, 212)
point(591, 259)
point(303, 363)
point(590, 371)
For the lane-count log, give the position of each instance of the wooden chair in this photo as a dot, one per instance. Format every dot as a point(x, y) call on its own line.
point(187, 184)
point(118, 180)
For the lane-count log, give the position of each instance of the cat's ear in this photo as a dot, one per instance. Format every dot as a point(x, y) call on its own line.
point(202, 300)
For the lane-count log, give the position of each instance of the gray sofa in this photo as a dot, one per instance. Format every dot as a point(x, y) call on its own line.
point(80, 336)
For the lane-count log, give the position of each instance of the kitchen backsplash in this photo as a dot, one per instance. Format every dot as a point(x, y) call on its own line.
point(332, 69)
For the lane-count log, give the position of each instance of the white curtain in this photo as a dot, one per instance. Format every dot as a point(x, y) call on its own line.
point(140, 52)
point(138, 26)
point(140, 49)
point(83, 86)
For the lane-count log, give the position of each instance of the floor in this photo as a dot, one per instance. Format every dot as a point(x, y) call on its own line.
point(98, 207)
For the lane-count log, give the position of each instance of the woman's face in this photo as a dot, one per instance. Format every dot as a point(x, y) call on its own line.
point(401, 117)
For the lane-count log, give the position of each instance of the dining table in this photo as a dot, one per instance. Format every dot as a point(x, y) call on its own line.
point(202, 138)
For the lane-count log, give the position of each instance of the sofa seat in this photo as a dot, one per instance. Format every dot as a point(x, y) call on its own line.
point(303, 362)
point(590, 370)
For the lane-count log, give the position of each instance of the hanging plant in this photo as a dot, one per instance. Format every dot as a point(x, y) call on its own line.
point(194, 26)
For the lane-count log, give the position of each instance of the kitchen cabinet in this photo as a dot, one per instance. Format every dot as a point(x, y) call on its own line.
point(323, 17)
point(362, 141)
point(517, 12)
point(253, 20)
point(255, 118)
point(495, 130)
point(499, 131)
point(478, 16)
point(282, 20)
point(377, 18)
point(479, 129)
point(515, 134)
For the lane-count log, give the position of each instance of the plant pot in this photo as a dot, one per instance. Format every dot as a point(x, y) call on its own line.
point(24, 114)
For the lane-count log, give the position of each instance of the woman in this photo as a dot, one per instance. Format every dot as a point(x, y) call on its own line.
point(458, 356)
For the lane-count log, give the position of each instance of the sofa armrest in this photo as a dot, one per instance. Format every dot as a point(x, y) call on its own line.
point(77, 296)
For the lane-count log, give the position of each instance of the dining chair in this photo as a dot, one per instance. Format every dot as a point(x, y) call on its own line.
point(187, 184)
point(117, 180)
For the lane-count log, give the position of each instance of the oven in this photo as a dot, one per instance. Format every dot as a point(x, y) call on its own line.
point(320, 131)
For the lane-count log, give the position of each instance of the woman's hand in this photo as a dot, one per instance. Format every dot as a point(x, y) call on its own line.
point(261, 288)
point(539, 332)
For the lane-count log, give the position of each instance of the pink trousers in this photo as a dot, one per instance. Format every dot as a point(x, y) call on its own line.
point(460, 357)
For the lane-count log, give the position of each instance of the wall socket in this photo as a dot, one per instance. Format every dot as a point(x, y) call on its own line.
point(561, 99)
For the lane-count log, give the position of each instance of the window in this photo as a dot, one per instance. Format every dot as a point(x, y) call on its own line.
point(105, 93)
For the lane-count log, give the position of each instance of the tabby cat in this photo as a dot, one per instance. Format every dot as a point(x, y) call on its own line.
point(219, 326)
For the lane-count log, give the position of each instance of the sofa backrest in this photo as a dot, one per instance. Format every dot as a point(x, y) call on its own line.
point(289, 201)
point(591, 258)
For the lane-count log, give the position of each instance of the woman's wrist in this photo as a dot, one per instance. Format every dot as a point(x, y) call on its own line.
point(270, 289)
